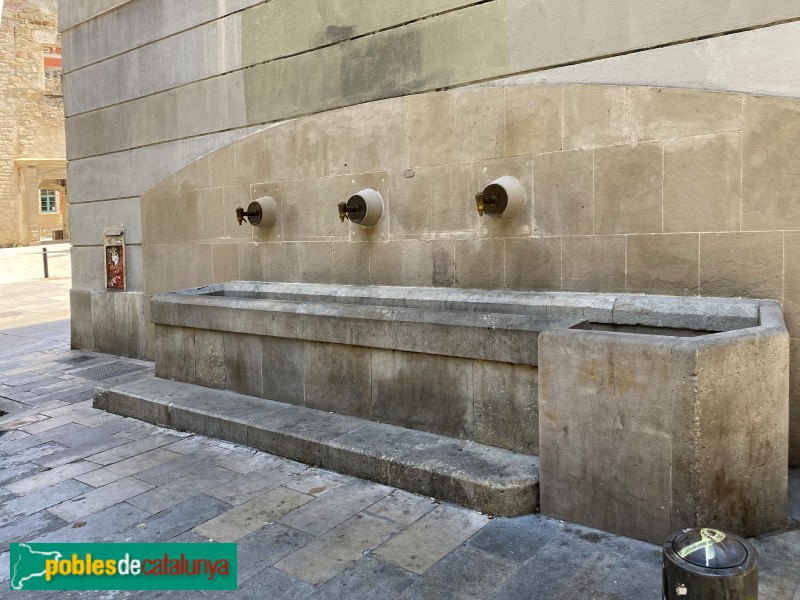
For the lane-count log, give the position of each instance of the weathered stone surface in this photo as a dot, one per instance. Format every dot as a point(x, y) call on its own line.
point(209, 358)
point(297, 209)
point(532, 119)
point(478, 264)
point(703, 183)
point(370, 138)
point(449, 217)
point(431, 393)
point(424, 544)
point(250, 516)
point(486, 478)
point(411, 198)
point(328, 192)
point(419, 262)
point(129, 324)
point(702, 314)
point(703, 153)
point(431, 137)
point(628, 189)
point(791, 283)
point(103, 320)
point(282, 366)
point(741, 264)
point(563, 187)
point(740, 487)
point(506, 406)
point(794, 408)
point(345, 255)
point(605, 432)
point(608, 439)
point(252, 165)
point(308, 139)
point(771, 164)
point(593, 263)
point(659, 114)
point(595, 116)
point(81, 332)
point(478, 123)
point(243, 363)
point(663, 264)
point(175, 353)
point(337, 378)
point(533, 263)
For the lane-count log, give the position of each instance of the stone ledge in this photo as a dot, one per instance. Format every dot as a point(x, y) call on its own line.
point(480, 477)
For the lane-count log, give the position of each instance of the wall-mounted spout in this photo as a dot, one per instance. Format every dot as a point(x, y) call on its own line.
point(344, 209)
point(501, 199)
point(364, 208)
point(242, 213)
point(262, 213)
point(481, 200)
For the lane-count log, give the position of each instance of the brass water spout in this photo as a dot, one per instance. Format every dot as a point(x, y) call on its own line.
point(482, 201)
point(344, 209)
point(242, 213)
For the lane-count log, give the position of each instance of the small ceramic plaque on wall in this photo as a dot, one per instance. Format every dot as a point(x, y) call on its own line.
point(114, 258)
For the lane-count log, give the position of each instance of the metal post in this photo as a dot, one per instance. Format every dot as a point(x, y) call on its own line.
point(44, 260)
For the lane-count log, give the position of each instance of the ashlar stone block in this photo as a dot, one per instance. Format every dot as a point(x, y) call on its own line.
point(506, 411)
point(628, 183)
point(532, 119)
point(174, 353)
point(563, 187)
point(771, 165)
point(432, 393)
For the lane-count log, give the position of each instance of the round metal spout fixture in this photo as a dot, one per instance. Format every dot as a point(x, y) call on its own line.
point(261, 213)
point(364, 208)
point(501, 199)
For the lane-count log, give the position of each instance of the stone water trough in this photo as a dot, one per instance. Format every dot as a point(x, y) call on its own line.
point(635, 414)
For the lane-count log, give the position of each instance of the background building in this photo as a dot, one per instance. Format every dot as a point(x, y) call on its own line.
point(33, 168)
point(170, 109)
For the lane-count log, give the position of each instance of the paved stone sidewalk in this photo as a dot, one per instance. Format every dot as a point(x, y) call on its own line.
point(69, 472)
point(25, 263)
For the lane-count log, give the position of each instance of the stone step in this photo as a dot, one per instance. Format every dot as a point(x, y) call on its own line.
point(484, 478)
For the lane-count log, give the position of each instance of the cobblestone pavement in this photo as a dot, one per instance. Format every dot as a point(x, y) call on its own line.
point(301, 532)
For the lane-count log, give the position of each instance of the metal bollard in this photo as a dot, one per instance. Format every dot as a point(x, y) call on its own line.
point(44, 260)
point(708, 564)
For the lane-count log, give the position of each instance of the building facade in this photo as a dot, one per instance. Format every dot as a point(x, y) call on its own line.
point(656, 141)
point(33, 169)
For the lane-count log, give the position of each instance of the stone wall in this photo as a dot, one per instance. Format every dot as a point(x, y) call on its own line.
point(152, 85)
point(140, 110)
point(31, 120)
point(628, 190)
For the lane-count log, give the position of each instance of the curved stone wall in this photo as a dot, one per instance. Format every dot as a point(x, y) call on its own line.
point(628, 190)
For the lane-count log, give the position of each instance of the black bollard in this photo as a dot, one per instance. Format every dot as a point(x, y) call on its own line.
point(709, 564)
point(44, 260)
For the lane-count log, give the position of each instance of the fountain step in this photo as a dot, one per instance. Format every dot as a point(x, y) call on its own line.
point(484, 478)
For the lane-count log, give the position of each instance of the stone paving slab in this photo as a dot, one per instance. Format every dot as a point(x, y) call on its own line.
point(347, 539)
point(49, 478)
point(34, 502)
point(252, 515)
point(426, 541)
point(335, 507)
point(267, 546)
point(100, 498)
